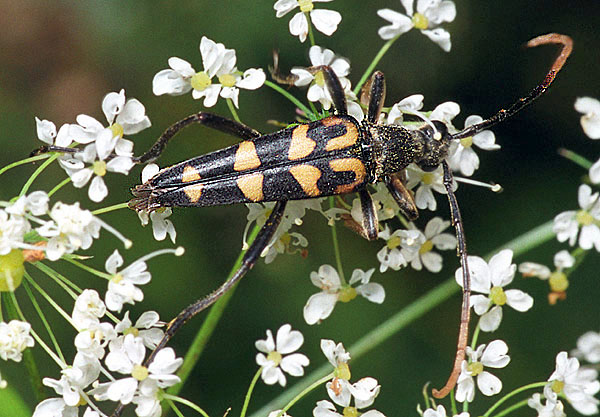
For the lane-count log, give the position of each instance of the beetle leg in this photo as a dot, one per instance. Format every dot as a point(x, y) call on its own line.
point(369, 228)
point(463, 334)
point(396, 185)
point(261, 241)
point(373, 95)
point(213, 121)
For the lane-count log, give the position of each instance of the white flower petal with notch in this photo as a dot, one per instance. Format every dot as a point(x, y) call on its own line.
point(590, 121)
point(252, 79)
point(283, 7)
point(491, 320)
point(319, 306)
point(112, 104)
point(299, 26)
point(399, 24)
point(439, 36)
point(325, 21)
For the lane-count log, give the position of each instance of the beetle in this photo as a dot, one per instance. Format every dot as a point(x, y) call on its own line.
point(331, 156)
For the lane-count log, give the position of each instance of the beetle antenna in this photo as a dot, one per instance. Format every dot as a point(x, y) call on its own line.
point(550, 38)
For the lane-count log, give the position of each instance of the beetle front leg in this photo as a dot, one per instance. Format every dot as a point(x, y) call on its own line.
point(396, 184)
point(222, 124)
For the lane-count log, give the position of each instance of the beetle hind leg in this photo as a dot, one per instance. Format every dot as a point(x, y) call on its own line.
point(369, 226)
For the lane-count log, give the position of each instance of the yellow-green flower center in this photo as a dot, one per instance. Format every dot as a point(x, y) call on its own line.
point(139, 372)
point(320, 79)
point(12, 269)
point(200, 81)
point(467, 142)
point(475, 368)
point(394, 242)
point(133, 331)
point(426, 247)
point(420, 21)
point(584, 218)
point(498, 296)
point(347, 294)
point(350, 412)
point(99, 168)
point(557, 386)
point(342, 371)
point(227, 80)
point(427, 179)
point(306, 5)
point(558, 281)
point(274, 357)
point(116, 278)
point(117, 130)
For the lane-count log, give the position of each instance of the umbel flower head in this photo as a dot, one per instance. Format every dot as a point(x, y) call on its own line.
point(218, 62)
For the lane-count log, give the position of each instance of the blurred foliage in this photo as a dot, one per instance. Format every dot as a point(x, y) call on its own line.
point(58, 59)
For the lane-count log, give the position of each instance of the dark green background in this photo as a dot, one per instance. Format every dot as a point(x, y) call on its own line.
point(59, 59)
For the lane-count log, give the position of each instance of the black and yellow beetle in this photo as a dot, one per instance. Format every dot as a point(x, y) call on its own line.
point(331, 156)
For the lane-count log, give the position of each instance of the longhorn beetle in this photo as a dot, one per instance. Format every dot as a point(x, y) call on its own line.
point(331, 156)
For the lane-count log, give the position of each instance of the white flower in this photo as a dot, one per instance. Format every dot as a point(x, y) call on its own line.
point(36, 203)
point(126, 357)
point(122, 287)
point(88, 310)
point(552, 408)
point(462, 156)
point(318, 90)
point(579, 385)
point(14, 339)
point(161, 227)
point(594, 172)
point(440, 411)
point(217, 61)
point(341, 392)
point(93, 339)
point(276, 413)
point(567, 224)
point(557, 278)
point(588, 347)
point(145, 328)
point(432, 238)
point(335, 354)
point(489, 279)
point(283, 240)
point(75, 379)
point(401, 247)
point(590, 121)
point(325, 21)
point(429, 15)
point(409, 105)
point(46, 132)
point(12, 231)
point(71, 228)
point(427, 183)
point(274, 363)
point(54, 407)
point(320, 305)
point(492, 356)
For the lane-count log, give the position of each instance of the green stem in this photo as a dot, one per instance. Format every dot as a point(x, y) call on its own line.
point(336, 246)
point(14, 312)
point(110, 208)
point(37, 172)
point(59, 186)
point(374, 63)
point(53, 303)
point(311, 35)
point(307, 390)
point(512, 394)
point(512, 408)
point(183, 401)
point(250, 390)
point(60, 279)
point(42, 317)
point(290, 97)
point(233, 110)
point(208, 326)
point(409, 314)
point(576, 158)
point(24, 161)
point(89, 269)
point(475, 335)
